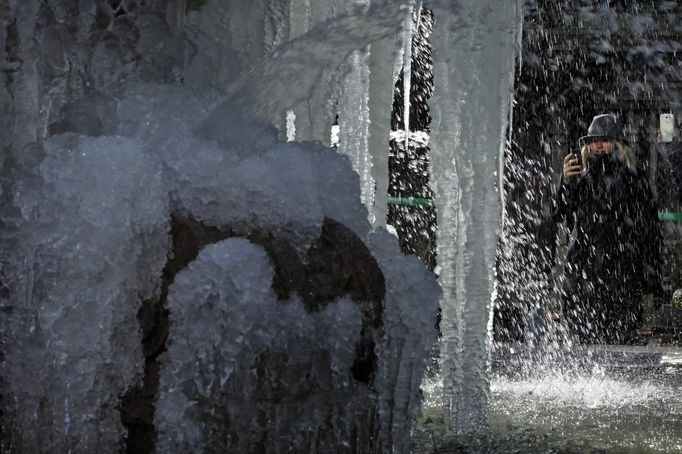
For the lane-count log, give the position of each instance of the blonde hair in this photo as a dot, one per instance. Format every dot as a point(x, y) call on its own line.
point(622, 150)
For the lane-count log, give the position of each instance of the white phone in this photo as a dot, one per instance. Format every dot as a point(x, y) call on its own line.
point(667, 127)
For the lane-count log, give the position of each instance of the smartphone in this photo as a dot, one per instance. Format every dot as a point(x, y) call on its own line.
point(667, 127)
point(577, 154)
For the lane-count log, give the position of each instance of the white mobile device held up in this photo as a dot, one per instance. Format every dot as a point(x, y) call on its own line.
point(667, 127)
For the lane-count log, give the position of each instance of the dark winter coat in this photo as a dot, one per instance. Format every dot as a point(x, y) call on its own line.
point(669, 175)
point(615, 253)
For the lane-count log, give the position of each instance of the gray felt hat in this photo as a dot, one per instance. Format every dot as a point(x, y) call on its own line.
point(604, 125)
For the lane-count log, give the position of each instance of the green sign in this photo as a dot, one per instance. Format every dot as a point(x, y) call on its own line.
point(411, 201)
point(670, 215)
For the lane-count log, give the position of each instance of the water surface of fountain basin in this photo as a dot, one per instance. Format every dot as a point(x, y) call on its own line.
point(594, 399)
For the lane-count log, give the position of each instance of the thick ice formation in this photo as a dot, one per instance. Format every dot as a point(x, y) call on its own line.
point(469, 117)
point(122, 130)
point(89, 229)
point(105, 247)
point(411, 303)
point(245, 372)
point(83, 241)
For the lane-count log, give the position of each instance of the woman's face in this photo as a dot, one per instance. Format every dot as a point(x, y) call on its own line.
point(602, 145)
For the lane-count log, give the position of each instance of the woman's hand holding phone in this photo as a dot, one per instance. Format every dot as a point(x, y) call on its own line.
point(572, 167)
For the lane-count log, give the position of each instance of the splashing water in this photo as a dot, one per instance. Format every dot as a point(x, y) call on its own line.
point(555, 411)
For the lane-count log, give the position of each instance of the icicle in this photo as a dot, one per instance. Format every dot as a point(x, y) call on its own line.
point(299, 18)
point(5, 97)
point(275, 24)
point(473, 82)
point(231, 38)
point(407, 69)
point(175, 14)
point(313, 115)
point(354, 123)
point(291, 126)
point(354, 119)
point(384, 61)
point(26, 79)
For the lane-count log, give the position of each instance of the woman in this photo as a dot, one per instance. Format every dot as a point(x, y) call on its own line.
point(615, 253)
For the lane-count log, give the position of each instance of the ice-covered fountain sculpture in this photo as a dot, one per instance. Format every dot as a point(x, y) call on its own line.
point(143, 181)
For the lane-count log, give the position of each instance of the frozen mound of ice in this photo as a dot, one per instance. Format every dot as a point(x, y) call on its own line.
point(89, 241)
point(150, 111)
point(246, 373)
point(282, 190)
point(248, 178)
point(90, 220)
point(116, 148)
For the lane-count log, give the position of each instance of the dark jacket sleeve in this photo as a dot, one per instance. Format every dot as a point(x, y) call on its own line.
point(565, 201)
